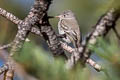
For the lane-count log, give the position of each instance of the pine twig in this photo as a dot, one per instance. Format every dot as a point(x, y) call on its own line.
point(6, 46)
point(36, 31)
point(71, 50)
point(10, 16)
point(17, 21)
point(103, 26)
point(96, 66)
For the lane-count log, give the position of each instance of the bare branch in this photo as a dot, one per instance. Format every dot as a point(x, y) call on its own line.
point(10, 16)
point(50, 37)
point(66, 47)
point(71, 61)
point(36, 31)
point(52, 40)
point(6, 46)
point(103, 26)
point(35, 15)
point(16, 20)
point(96, 66)
point(46, 29)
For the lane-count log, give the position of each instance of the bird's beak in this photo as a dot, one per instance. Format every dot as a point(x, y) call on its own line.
point(57, 16)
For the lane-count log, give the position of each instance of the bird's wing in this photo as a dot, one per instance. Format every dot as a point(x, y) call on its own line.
point(73, 26)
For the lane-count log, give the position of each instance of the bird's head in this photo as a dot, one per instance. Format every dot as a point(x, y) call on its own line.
point(68, 14)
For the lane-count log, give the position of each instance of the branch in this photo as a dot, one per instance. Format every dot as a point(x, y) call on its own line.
point(6, 46)
point(52, 40)
point(24, 27)
point(16, 20)
point(104, 25)
point(50, 37)
point(71, 50)
point(35, 15)
point(48, 33)
point(36, 31)
point(10, 16)
point(96, 66)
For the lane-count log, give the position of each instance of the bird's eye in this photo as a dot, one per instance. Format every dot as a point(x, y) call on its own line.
point(64, 15)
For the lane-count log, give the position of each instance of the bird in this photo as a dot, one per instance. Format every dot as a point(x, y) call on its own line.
point(69, 27)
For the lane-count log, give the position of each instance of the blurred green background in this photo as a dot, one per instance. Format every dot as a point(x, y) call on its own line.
point(36, 58)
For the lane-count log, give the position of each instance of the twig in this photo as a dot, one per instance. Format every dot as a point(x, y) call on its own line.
point(96, 66)
point(17, 21)
point(6, 46)
point(89, 61)
point(105, 23)
point(10, 16)
point(36, 31)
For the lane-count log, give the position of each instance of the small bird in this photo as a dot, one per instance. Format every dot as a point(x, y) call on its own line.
point(69, 27)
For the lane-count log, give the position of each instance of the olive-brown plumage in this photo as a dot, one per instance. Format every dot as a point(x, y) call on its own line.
point(69, 26)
